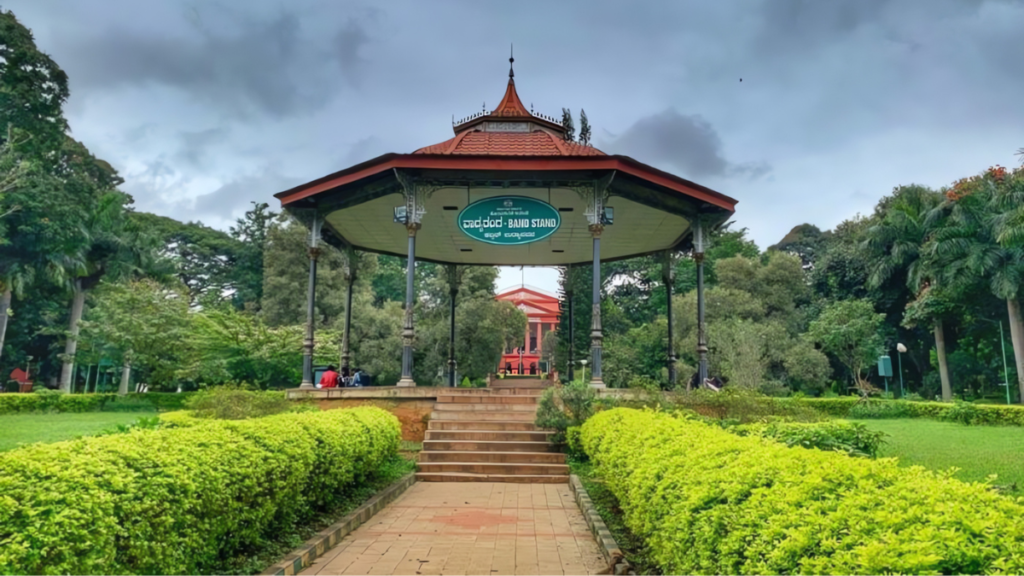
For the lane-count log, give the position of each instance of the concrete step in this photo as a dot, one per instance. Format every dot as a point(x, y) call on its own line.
point(486, 399)
point(489, 468)
point(503, 416)
point(502, 445)
point(487, 435)
point(521, 385)
point(492, 457)
point(517, 391)
point(478, 426)
point(480, 407)
point(511, 479)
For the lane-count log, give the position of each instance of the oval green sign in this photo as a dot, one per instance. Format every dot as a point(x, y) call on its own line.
point(509, 220)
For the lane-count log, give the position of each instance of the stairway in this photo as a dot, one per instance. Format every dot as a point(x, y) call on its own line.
point(488, 435)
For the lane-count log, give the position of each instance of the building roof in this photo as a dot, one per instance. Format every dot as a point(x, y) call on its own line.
point(509, 130)
point(480, 143)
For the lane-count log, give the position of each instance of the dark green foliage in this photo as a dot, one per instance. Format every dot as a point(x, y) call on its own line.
point(851, 438)
point(561, 407)
point(235, 403)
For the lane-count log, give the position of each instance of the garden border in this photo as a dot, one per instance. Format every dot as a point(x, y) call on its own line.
point(329, 537)
point(617, 563)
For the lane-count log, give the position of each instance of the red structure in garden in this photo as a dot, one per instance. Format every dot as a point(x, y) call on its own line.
point(542, 311)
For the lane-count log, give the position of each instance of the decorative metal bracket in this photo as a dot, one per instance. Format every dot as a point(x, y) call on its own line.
point(351, 263)
point(416, 192)
point(595, 194)
point(698, 237)
point(668, 266)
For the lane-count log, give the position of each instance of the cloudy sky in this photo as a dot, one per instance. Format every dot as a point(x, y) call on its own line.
point(206, 106)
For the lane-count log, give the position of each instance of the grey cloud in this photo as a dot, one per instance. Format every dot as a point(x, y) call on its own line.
point(195, 145)
point(688, 143)
point(230, 198)
point(271, 65)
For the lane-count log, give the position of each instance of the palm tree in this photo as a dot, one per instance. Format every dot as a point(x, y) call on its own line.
point(896, 245)
point(969, 248)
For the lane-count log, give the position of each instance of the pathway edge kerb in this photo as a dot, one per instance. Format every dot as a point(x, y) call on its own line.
point(329, 537)
point(617, 563)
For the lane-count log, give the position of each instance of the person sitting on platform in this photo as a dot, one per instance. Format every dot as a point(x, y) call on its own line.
point(346, 377)
point(330, 378)
point(360, 379)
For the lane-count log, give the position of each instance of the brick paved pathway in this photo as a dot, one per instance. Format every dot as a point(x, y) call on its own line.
point(470, 528)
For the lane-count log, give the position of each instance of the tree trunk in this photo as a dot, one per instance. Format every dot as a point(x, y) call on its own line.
point(940, 351)
point(1017, 338)
point(67, 370)
point(126, 373)
point(5, 305)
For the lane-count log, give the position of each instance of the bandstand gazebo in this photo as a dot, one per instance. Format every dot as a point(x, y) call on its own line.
point(505, 190)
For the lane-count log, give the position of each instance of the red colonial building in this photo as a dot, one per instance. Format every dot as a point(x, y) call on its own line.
point(542, 311)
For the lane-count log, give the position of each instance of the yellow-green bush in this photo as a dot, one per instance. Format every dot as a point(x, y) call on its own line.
point(180, 419)
point(181, 500)
point(710, 502)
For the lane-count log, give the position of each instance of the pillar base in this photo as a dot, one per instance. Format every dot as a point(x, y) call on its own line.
point(597, 383)
point(406, 383)
point(307, 386)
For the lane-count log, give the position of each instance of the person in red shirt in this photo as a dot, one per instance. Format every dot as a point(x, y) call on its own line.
point(330, 378)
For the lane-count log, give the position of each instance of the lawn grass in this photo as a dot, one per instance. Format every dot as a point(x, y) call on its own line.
point(19, 429)
point(978, 451)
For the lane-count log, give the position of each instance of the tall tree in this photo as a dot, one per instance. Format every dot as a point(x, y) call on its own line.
point(849, 329)
point(203, 258)
point(251, 233)
point(968, 248)
point(570, 129)
point(140, 324)
point(584, 129)
point(895, 244)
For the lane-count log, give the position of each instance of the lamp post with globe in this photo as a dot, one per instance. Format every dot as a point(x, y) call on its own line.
point(900, 349)
point(584, 363)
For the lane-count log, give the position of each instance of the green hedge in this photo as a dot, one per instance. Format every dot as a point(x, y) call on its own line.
point(55, 402)
point(852, 438)
point(850, 407)
point(709, 502)
point(181, 500)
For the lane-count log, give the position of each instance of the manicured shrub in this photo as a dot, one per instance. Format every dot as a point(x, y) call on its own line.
point(52, 401)
point(710, 502)
point(851, 438)
point(234, 403)
point(744, 406)
point(975, 414)
point(181, 500)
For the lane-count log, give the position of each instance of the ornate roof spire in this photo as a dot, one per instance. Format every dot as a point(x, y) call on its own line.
point(511, 59)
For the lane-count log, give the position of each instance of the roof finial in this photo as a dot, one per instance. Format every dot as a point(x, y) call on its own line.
point(511, 59)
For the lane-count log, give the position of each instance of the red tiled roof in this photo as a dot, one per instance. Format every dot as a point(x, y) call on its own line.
point(538, 143)
point(511, 105)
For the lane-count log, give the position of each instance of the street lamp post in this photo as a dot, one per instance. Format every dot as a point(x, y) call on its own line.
point(584, 362)
point(900, 349)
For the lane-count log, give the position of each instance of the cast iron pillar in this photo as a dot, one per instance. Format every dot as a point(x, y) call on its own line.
point(408, 331)
point(453, 292)
point(350, 278)
point(572, 324)
point(702, 337)
point(307, 343)
point(596, 335)
point(668, 276)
